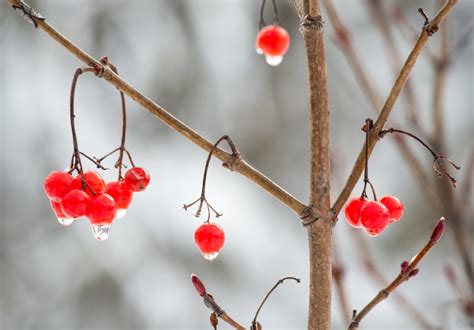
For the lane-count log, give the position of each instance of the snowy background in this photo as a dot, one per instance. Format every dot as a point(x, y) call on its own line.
point(197, 59)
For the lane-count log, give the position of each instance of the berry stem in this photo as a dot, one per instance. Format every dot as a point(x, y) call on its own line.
point(367, 127)
point(275, 14)
point(202, 199)
point(438, 165)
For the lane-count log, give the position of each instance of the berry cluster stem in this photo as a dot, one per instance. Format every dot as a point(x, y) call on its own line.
point(438, 165)
point(202, 198)
point(367, 127)
point(275, 14)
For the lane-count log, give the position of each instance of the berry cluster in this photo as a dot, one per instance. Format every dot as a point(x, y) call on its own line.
point(87, 195)
point(373, 216)
point(273, 42)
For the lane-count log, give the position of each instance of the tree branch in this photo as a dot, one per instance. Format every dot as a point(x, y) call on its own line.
point(240, 165)
point(344, 41)
point(408, 271)
point(427, 31)
point(319, 232)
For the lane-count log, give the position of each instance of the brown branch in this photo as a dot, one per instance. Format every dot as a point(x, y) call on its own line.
point(240, 166)
point(382, 22)
point(210, 303)
point(344, 41)
point(427, 31)
point(319, 232)
point(365, 255)
point(408, 271)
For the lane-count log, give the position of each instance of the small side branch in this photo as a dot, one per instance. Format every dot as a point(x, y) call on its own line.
point(408, 270)
point(210, 303)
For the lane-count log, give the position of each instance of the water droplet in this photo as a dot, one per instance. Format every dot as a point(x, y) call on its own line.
point(101, 232)
point(259, 51)
point(65, 221)
point(273, 60)
point(120, 213)
point(210, 256)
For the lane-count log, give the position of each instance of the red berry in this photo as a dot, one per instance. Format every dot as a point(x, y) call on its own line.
point(101, 210)
point(75, 203)
point(57, 184)
point(120, 192)
point(374, 231)
point(137, 179)
point(352, 211)
point(209, 238)
point(374, 216)
point(56, 206)
point(394, 207)
point(94, 181)
point(272, 40)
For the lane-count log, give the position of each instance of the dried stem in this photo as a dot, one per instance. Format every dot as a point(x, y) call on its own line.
point(280, 281)
point(438, 165)
point(262, 23)
point(319, 232)
point(427, 31)
point(239, 166)
point(407, 272)
point(202, 199)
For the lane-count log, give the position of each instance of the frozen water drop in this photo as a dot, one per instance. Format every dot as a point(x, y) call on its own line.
point(259, 51)
point(65, 221)
point(210, 256)
point(273, 60)
point(120, 213)
point(101, 232)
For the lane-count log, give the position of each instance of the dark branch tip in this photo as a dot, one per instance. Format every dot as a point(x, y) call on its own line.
point(438, 230)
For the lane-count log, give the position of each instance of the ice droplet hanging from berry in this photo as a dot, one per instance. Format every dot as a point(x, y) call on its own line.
point(101, 232)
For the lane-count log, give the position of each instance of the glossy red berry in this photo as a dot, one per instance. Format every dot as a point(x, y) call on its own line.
point(94, 181)
point(394, 207)
point(374, 216)
point(209, 238)
point(57, 184)
point(272, 40)
point(101, 210)
point(137, 179)
point(75, 203)
point(352, 211)
point(62, 218)
point(121, 194)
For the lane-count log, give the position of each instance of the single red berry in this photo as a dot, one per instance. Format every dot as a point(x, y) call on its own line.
point(101, 210)
point(209, 238)
point(352, 211)
point(93, 180)
point(374, 216)
point(75, 203)
point(57, 184)
point(137, 179)
point(121, 194)
point(62, 218)
point(394, 207)
point(272, 40)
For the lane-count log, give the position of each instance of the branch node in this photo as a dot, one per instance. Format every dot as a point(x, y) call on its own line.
point(308, 22)
point(27, 12)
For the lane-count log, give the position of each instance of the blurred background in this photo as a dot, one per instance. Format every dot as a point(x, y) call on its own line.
point(197, 59)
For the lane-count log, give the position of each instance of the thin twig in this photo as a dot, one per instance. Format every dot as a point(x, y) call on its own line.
point(280, 281)
point(407, 272)
point(239, 166)
point(390, 102)
point(366, 257)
